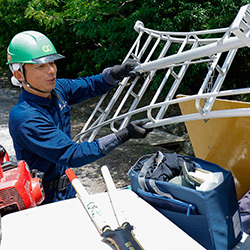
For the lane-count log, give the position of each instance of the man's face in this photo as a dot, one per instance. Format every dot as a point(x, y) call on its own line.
point(41, 76)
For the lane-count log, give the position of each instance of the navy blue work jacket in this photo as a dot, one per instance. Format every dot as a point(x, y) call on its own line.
point(40, 129)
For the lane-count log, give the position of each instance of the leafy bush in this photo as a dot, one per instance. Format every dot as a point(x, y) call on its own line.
point(94, 34)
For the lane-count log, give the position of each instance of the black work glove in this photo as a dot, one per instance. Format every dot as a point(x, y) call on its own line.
point(133, 130)
point(126, 69)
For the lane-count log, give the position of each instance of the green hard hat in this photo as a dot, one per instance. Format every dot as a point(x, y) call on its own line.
point(31, 47)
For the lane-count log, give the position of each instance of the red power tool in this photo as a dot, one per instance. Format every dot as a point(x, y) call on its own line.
point(18, 189)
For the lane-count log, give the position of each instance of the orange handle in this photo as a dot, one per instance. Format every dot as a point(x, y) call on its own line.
point(71, 175)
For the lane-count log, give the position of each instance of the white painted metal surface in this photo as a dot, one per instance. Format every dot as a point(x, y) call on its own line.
point(65, 225)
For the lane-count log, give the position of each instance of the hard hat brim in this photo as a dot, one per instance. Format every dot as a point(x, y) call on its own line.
point(46, 59)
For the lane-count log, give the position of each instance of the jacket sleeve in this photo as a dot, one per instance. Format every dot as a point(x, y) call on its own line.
point(44, 139)
point(83, 88)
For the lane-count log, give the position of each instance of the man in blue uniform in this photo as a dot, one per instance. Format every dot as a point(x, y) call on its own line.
point(40, 122)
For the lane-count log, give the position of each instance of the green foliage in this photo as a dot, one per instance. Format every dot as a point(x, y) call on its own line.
point(94, 34)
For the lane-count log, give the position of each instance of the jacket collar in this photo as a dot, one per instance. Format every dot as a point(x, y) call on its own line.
point(41, 101)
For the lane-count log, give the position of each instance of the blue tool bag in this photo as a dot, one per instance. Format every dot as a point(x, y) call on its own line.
point(210, 217)
point(244, 204)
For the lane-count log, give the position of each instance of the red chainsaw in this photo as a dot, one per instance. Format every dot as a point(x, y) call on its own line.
point(18, 188)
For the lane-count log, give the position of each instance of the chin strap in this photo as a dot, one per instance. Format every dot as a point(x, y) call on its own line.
point(30, 86)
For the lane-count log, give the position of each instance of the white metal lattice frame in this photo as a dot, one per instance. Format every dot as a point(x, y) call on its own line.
point(153, 50)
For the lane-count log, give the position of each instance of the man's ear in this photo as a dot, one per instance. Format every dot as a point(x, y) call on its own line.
point(19, 75)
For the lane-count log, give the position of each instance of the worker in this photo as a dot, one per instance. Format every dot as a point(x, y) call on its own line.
point(39, 123)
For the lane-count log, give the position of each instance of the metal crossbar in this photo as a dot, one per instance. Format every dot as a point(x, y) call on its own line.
point(168, 55)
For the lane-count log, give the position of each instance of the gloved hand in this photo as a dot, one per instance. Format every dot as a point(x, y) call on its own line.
point(126, 69)
point(133, 130)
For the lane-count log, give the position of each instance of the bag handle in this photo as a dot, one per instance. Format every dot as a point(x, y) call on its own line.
point(143, 172)
point(157, 157)
point(152, 183)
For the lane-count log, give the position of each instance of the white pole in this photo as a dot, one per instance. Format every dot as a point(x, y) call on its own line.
point(206, 50)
